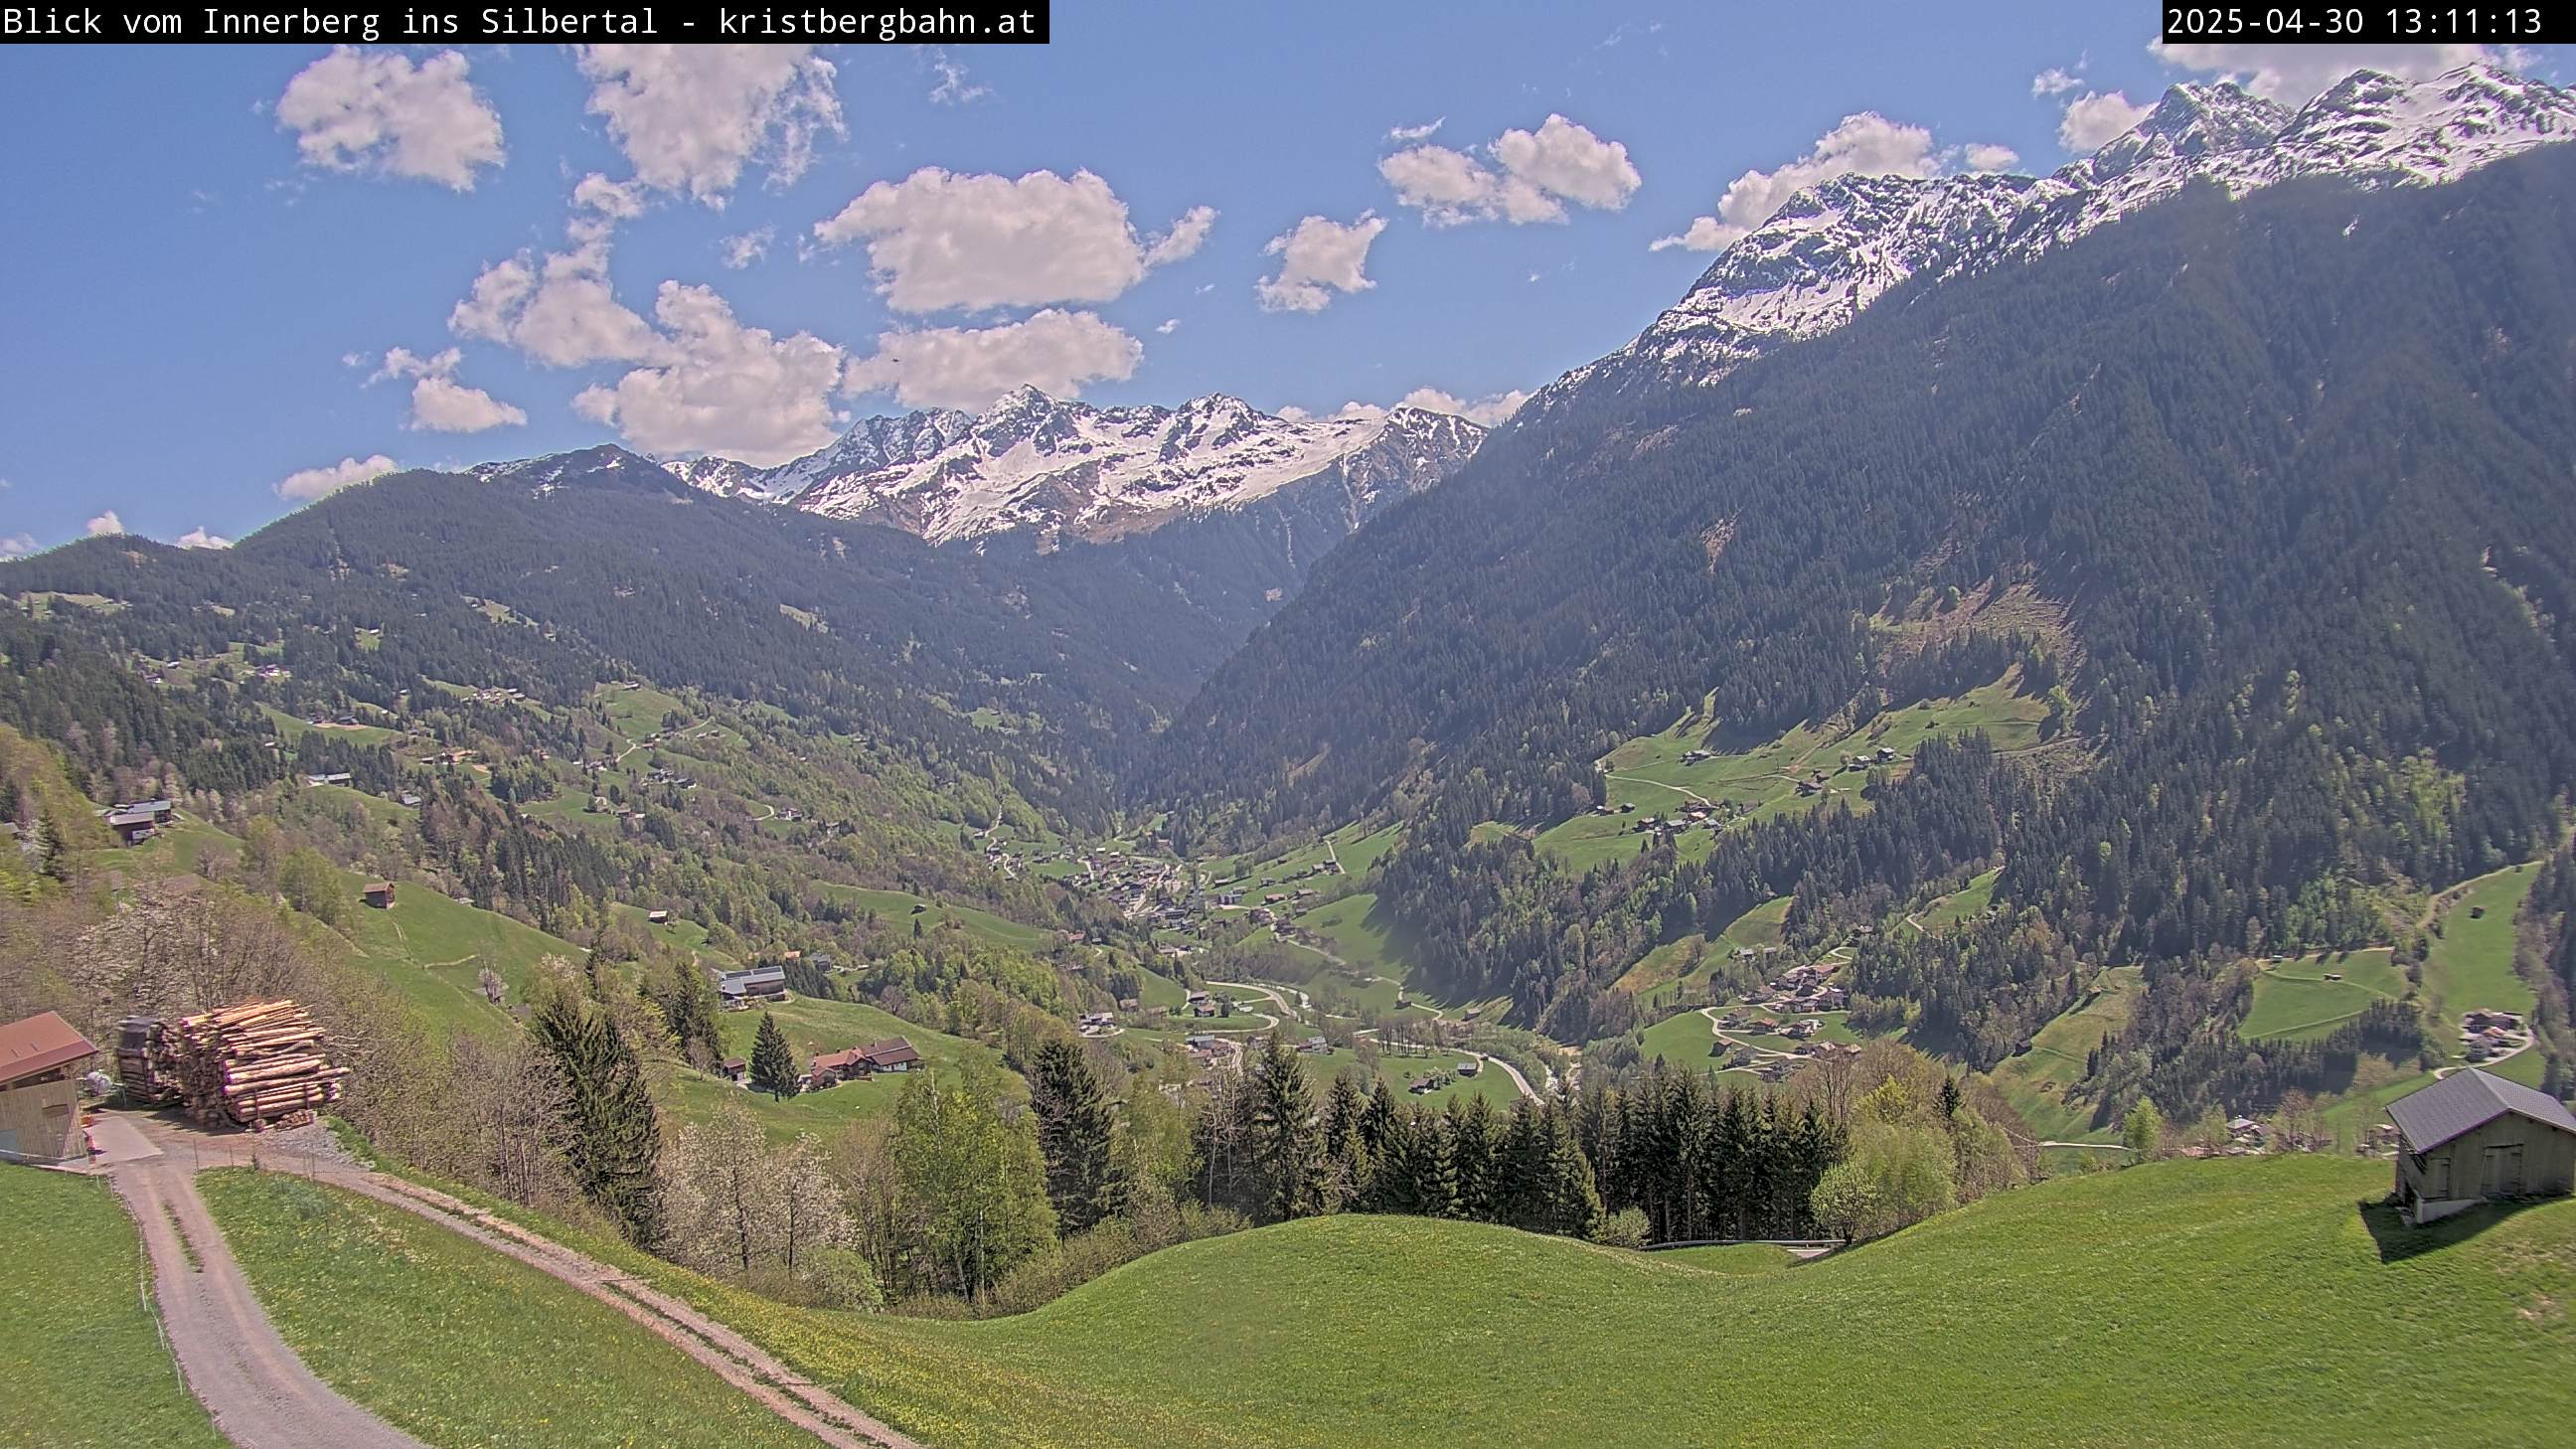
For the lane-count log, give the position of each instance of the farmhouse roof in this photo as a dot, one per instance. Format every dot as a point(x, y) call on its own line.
point(39, 1044)
point(2467, 1100)
point(840, 1061)
point(894, 1051)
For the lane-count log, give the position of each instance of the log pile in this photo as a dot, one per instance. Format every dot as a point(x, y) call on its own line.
point(260, 1064)
point(135, 1057)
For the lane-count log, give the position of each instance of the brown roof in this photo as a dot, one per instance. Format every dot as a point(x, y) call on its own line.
point(38, 1045)
point(891, 1052)
point(840, 1061)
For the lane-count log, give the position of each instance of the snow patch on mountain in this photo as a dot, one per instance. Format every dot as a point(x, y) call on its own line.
point(1032, 461)
point(1835, 248)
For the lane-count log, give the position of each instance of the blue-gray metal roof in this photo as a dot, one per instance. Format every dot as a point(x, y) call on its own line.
point(2466, 1100)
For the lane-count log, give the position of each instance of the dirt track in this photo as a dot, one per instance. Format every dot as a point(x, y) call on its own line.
point(261, 1395)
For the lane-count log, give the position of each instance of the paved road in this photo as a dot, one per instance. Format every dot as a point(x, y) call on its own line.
point(261, 1395)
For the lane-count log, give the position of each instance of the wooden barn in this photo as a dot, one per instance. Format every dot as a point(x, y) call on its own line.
point(41, 1059)
point(2470, 1138)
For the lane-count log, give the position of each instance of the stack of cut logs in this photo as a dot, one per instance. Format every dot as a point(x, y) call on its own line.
point(256, 1065)
point(137, 1038)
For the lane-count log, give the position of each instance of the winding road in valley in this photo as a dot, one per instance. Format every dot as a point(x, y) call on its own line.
point(1438, 1014)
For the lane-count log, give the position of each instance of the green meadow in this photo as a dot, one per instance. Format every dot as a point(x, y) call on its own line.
point(2211, 1305)
point(901, 906)
point(459, 1345)
point(2306, 997)
point(2036, 1081)
point(812, 1026)
point(1649, 775)
point(87, 1369)
point(2470, 963)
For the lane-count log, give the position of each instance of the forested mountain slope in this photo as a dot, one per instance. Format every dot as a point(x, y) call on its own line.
point(605, 564)
point(2293, 471)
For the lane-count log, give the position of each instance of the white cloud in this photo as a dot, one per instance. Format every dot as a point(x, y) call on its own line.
point(375, 109)
point(2296, 74)
point(1185, 237)
point(1532, 175)
point(444, 405)
point(722, 387)
point(441, 404)
point(1170, 326)
point(619, 200)
point(1563, 159)
point(2054, 81)
point(1448, 187)
point(17, 545)
point(1865, 144)
point(105, 525)
point(1054, 351)
point(197, 537)
point(1416, 133)
point(741, 251)
point(1704, 234)
point(1984, 156)
point(953, 88)
point(1317, 257)
point(1485, 410)
point(311, 483)
point(562, 312)
point(940, 239)
point(690, 117)
point(2095, 119)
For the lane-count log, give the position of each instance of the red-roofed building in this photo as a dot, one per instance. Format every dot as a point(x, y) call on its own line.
point(40, 1066)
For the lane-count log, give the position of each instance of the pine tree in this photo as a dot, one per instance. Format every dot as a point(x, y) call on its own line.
point(1413, 1173)
point(616, 1144)
point(1471, 1131)
point(1348, 1160)
point(773, 1063)
point(1286, 1144)
point(1074, 1128)
point(1567, 1202)
point(1379, 1120)
point(1519, 1197)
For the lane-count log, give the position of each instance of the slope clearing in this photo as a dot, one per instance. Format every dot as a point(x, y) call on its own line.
point(2209, 1304)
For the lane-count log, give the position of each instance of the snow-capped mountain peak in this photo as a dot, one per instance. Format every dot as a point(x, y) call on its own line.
point(1835, 248)
point(1030, 461)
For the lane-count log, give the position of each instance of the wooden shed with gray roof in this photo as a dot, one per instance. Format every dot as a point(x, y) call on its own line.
point(2470, 1138)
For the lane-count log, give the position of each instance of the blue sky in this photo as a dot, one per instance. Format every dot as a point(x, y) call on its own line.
point(211, 252)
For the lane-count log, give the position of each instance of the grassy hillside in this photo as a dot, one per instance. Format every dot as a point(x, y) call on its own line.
point(2036, 1081)
point(1649, 774)
point(2209, 1304)
point(821, 1026)
point(2309, 996)
point(2470, 964)
point(86, 1363)
point(335, 1271)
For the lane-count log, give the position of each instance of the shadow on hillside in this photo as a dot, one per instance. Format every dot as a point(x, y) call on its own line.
point(2398, 1242)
